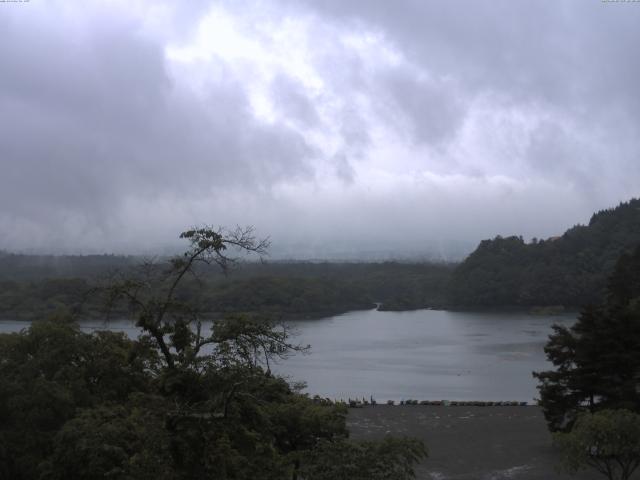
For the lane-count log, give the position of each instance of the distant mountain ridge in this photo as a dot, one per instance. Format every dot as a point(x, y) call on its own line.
point(570, 270)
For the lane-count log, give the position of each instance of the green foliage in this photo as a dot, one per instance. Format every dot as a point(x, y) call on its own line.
point(111, 441)
point(570, 270)
point(29, 300)
point(299, 290)
point(597, 360)
point(287, 296)
point(48, 373)
point(177, 403)
point(607, 441)
point(78, 405)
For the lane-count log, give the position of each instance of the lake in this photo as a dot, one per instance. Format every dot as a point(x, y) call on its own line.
point(421, 354)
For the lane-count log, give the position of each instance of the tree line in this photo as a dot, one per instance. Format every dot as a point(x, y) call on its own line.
point(591, 398)
point(570, 270)
point(282, 290)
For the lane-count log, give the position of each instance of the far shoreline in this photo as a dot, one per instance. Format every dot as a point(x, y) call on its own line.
point(319, 315)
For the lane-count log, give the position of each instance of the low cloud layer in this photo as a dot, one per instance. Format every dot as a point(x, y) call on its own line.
point(340, 129)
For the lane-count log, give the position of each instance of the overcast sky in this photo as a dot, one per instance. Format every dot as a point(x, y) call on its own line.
point(337, 127)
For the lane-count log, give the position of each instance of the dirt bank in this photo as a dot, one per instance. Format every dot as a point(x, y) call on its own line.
point(469, 443)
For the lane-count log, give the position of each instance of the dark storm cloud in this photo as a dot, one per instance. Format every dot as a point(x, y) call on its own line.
point(289, 96)
point(318, 121)
point(521, 47)
point(90, 116)
point(429, 110)
point(572, 57)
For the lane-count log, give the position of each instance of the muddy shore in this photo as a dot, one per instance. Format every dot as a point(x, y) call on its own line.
point(469, 443)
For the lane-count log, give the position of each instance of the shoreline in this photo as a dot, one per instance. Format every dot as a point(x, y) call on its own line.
point(313, 315)
point(469, 442)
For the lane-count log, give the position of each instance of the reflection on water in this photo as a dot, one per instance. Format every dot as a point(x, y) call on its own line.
point(423, 354)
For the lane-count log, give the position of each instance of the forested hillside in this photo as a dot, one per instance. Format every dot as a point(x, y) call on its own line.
point(49, 284)
point(596, 361)
point(570, 270)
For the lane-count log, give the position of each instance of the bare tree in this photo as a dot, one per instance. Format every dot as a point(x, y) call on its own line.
point(151, 296)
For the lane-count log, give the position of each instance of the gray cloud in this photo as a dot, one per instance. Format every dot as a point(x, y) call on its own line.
point(444, 121)
point(91, 117)
point(429, 110)
point(573, 57)
point(289, 96)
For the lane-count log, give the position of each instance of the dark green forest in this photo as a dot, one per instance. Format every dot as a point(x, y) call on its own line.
point(37, 286)
point(597, 360)
point(591, 396)
point(178, 402)
point(570, 270)
point(87, 406)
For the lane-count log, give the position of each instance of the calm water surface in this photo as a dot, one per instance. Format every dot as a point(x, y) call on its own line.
point(422, 354)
